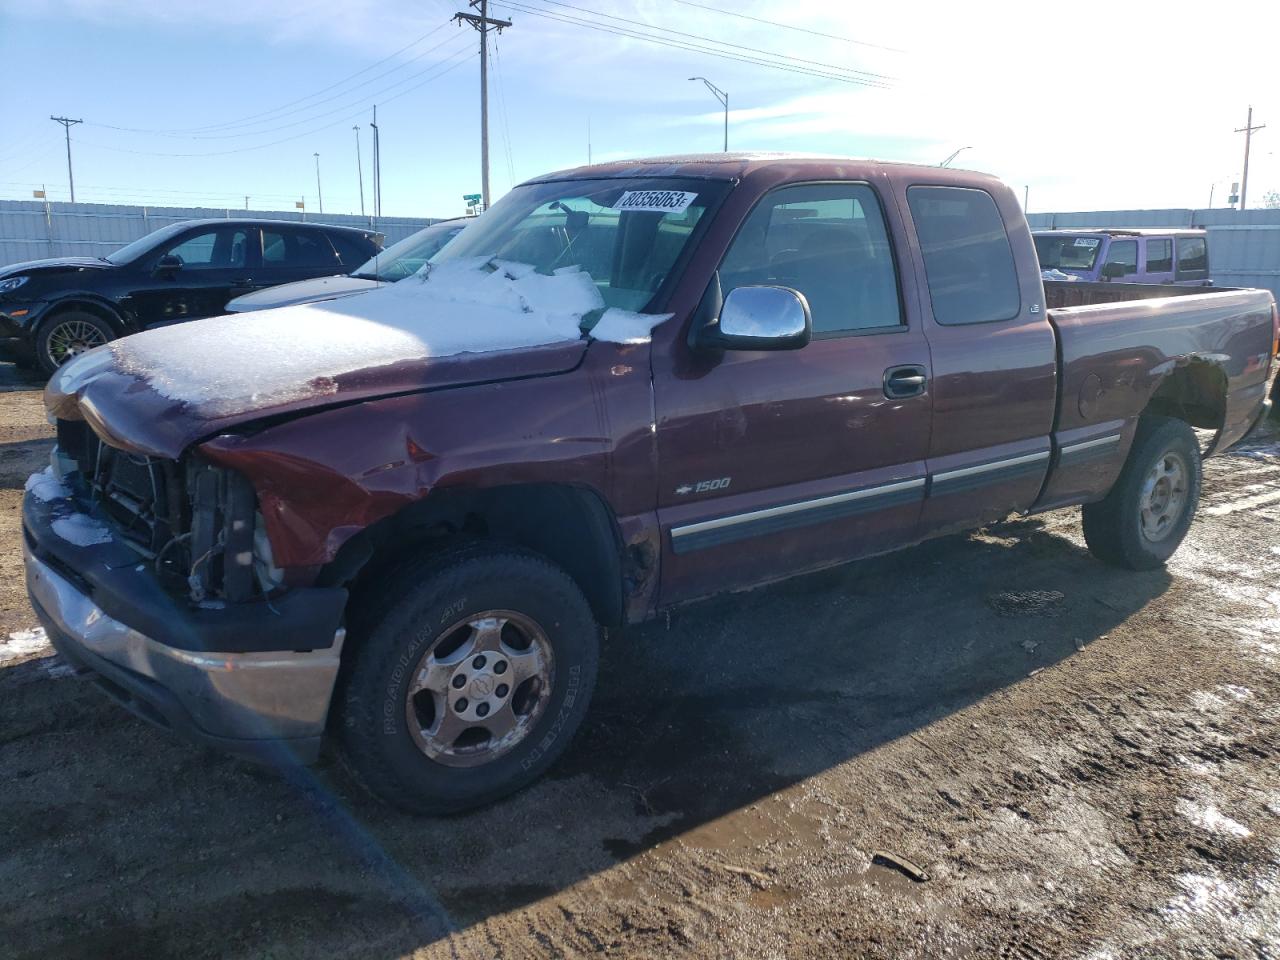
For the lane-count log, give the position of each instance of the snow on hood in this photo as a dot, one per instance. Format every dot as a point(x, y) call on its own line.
point(469, 305)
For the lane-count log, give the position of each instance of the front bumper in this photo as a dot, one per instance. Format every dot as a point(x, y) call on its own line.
point(160, 658)
point(268, 706)
point(18, 321)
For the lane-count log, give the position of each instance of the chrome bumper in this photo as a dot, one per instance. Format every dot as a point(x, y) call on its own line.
point(267, 705)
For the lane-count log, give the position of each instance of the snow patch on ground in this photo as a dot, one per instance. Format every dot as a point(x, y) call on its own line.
point(1210, 818)
point(221, 365)
point(81, 530)
point(44, 486)
point(23, 643)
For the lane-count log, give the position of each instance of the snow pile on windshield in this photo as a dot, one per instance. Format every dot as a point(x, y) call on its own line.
point(81, 529)
point(468, 305)
point(45, 487)
point(623, 326)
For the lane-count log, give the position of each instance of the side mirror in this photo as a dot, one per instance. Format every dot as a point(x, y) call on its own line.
point(760, 318)
point(168, 265)
point(1114, 271)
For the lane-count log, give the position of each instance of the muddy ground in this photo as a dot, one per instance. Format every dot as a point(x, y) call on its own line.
point(1085, 764)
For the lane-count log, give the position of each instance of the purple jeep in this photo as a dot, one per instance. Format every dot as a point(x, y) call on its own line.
point(1130, 256)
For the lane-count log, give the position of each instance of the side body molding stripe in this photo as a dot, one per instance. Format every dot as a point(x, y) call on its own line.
point(740, 526)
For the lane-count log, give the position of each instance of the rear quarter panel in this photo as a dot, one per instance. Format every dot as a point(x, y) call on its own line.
point(1116, 355)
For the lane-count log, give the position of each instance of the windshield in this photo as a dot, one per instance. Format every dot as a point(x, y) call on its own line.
point(1069, 252)
point(627, 234)
point(406, 257)
point(131, 251)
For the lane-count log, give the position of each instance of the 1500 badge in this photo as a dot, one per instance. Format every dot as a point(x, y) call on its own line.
point(704, 486)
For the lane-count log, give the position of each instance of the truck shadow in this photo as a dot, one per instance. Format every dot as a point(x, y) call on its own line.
point(738, 698)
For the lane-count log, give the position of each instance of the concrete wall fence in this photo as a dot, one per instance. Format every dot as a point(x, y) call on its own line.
point(1244, 245)
point(34, 229)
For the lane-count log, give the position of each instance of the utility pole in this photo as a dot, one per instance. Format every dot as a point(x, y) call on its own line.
point(588, 141)
point(483, 23)
point(67, 124)
point(377, 167)
point(246, 203)
point(724, 100)
point(1247, 130)
point(359, 168)
point(1026, 198)
point(319, 195)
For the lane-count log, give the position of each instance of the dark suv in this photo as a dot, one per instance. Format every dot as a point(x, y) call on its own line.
point(50, 310)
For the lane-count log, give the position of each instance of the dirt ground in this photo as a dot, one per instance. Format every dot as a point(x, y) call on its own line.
point(1083, 762)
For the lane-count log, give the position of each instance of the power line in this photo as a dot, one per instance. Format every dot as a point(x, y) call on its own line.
point(502, 107)
point(363, 100)
point(722, 43)
point(296, 136)
point(788, 26)
point(695, 48)
point(245, 121)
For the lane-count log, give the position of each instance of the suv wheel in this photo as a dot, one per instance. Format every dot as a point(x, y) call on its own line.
point(67, 335)
point(471, 674)
point(1149, 510)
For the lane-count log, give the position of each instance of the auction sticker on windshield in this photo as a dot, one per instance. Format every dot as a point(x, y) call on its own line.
point(1087, 242)
point(655, 201)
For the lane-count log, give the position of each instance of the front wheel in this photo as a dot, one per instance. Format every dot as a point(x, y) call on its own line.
point(67, 335)
point(472, 672)
point(1149, 510)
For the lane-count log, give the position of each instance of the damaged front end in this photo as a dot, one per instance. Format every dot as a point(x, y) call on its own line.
point(196, 524)
point(154, 576)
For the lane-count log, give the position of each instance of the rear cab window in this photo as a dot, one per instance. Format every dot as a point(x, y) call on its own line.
point(829, 242)
point(968, 261)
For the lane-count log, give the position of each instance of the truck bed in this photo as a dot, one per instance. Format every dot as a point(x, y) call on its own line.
point(1120, 342)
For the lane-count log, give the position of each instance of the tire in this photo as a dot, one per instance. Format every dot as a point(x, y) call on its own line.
point(416, 627)
point(66, 334)
point(1117, 530)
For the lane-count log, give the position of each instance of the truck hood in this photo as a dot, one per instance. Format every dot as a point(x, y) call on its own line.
point(129, 412)
point(304, 291)
point(462, 322)
point(55, 265)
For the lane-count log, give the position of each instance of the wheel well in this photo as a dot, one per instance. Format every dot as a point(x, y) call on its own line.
point(1195, 392)
point(570, 526)
point(101, 311)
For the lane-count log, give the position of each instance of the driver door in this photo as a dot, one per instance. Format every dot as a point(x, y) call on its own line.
point(774, 462)
point(217, 263)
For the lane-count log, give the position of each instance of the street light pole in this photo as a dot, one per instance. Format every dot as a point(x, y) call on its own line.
point(359, 168)
point(947, 162)
point(724, 100)
point(319, 194)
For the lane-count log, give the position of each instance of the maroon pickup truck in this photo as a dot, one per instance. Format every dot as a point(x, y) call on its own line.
point(410, 517)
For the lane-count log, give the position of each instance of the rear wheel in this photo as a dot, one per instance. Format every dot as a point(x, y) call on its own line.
point(1149, 510)
point(471, 673)
point(68, 335)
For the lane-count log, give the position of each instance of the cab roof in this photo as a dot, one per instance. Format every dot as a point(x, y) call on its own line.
point(732, 166)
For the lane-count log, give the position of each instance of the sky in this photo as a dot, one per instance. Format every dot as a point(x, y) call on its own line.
point(1085, 106)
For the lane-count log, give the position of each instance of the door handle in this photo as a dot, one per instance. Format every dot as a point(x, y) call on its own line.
point(905, 381)
point(244, 282)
